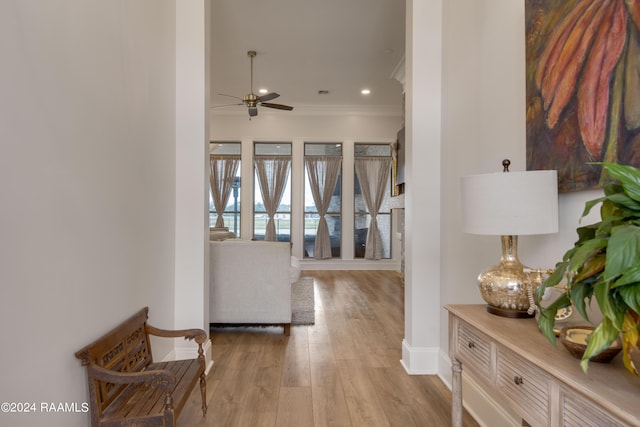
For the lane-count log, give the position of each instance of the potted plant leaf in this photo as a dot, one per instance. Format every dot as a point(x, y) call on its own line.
point(604, 264)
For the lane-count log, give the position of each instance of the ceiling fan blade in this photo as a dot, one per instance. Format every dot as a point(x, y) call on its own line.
point(230, 96)
point(225, 105)
point(253, 111)
point(277, 106)
point(268, 97)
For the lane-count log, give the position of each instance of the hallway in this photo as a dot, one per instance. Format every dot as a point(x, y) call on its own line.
point(343, 371)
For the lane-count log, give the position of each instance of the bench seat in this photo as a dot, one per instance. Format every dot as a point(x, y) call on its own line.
point(140, 401)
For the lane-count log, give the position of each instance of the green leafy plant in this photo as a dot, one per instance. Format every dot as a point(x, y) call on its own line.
point(604, 264)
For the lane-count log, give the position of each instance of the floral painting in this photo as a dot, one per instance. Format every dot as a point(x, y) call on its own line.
point(583, 87)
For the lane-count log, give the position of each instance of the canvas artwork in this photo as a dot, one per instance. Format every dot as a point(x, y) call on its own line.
point(583, 87)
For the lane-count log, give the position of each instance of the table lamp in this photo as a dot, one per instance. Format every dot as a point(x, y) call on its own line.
point(509, 204)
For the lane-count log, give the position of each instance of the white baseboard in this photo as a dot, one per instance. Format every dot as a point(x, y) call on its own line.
point(419, 360)
point(444, 368)
point(339, 264)
point(208, 367)
point(188, 350)
point(483, 407)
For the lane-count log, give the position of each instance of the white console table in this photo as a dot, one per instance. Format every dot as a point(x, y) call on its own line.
point(543, 384)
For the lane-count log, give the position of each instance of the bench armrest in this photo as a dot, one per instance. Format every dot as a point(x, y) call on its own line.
point(160, 377)
point(198, 335)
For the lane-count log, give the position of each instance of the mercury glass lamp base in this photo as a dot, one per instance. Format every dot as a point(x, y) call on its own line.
point(505, 287)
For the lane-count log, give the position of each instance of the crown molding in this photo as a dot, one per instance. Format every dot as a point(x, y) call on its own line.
point(399, 73)
point(319, 110)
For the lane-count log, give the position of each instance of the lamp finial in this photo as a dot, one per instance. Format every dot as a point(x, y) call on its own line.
point(505, 165)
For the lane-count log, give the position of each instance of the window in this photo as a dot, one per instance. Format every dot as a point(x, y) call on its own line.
point(224, 180)
point(372, 194)
point(322, 198)
point(272, 191)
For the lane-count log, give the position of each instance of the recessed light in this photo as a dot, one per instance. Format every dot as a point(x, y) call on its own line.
point(263, 91)
point(365, 91)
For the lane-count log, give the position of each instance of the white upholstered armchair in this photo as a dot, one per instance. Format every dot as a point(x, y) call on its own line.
point(250, 282)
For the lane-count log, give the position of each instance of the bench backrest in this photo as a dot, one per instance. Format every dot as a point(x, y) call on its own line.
point(126, 348)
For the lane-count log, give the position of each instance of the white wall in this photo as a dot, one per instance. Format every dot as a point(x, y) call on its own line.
point(87, 183)
point(484, 122)
point(307, 122)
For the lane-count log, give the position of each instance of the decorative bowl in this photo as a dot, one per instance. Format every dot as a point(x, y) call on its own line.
point(574, 339)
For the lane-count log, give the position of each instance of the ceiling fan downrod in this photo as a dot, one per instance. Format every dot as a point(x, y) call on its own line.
point(251, 99)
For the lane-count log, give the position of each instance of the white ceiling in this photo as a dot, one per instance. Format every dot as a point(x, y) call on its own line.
point(304, 46)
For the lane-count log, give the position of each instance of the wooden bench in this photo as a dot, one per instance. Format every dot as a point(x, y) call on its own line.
point(127, 388)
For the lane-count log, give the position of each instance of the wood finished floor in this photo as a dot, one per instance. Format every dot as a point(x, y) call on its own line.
point(343, 371)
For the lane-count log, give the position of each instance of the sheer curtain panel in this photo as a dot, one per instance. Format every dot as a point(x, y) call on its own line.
point(373, 175)
point(272, 172)
point(223, 170)
point(323, 175)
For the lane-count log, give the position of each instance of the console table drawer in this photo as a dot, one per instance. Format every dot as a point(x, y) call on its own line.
point(474, 347)
point(578, 412)
point(525, 385)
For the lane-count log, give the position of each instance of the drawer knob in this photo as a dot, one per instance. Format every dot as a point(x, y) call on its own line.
point(472, 344)
point(517, 380)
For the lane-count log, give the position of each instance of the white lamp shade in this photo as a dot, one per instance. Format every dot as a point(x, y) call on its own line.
point(510, 203)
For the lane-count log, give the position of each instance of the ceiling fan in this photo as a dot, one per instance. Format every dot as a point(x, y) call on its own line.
point(252, 101)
